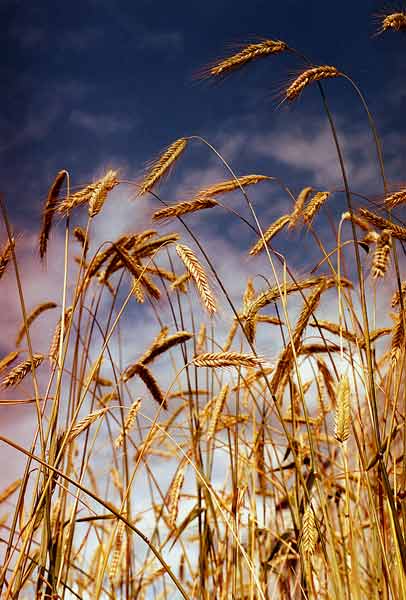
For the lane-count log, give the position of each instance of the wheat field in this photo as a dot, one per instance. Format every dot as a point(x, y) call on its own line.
point(193, 441)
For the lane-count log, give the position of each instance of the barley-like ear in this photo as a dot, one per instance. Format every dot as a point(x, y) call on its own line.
point(397, 231)
point(313, 207)
point(6, 256)
point(162, 165)
point(117, 548)
point(309, 532)
point(48, 211)
point(218, 404)
point(396, 296)
point(398, 339)
point(173, 494)
point(93, 194)
point(85, 423)
point(225, 187)
point(17, 374)
point(309, 76)
point(165, 344)
point(397, 198)
point(227, 359)
point(272, 230)
point(395, 21)
point(56, 338)
point(147, 377)
point(244, 56)
point(381, 254)
point(298, 206)
point(196, 270)
point(98, 196)
point(129, 422)
point(183, 208)
point(38, 310)
point(343, 410)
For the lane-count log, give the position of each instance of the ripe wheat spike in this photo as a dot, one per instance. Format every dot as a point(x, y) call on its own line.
point(245, 55)
point(196, 270)
point(162, 165)
point(307, 77)
point(48, 211)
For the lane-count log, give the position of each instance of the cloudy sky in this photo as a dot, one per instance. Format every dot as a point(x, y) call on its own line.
point(97, 84)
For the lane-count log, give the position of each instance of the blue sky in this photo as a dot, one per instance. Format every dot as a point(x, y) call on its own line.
point(91, 84)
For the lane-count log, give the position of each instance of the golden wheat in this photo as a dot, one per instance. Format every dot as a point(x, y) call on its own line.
point(48, 211)
point(227, 359)
point(298, 206)
point(162, 165)
point(381, 255)
point(313, 207)
point(6, 256)
point(309, 76)
point(343, 410)
point(183, 208)
point(129, 422)
point(396, 230)
point(245, 55)
point(272, 230)
point(218, 404)
point(196, 270)
point(17, 374)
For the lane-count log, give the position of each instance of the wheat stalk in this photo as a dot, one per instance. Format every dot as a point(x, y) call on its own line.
point(48, 211)
point(196, 270)
point(38, 310)
point(162, 165)
point(245, 55)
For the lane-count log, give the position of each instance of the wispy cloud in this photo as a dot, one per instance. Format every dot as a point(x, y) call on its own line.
point(102, 123)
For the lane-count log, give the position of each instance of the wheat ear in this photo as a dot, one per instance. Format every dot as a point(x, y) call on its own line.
point(218, 404)
point(6, 256)
point(244, 56)
point(48, 211)
point(162, 165)
point(309, 532)
point(17, 374)
point(227, 359)
point(309, 76)
point(196, 270)
point(395, 21)
point(313, 207)
point(129, 422)
point(381, 255)
point(183, 208)
point(396, 230)
point(272, 230)
point(298, 206)
point(8, 359)
point(343, 410)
